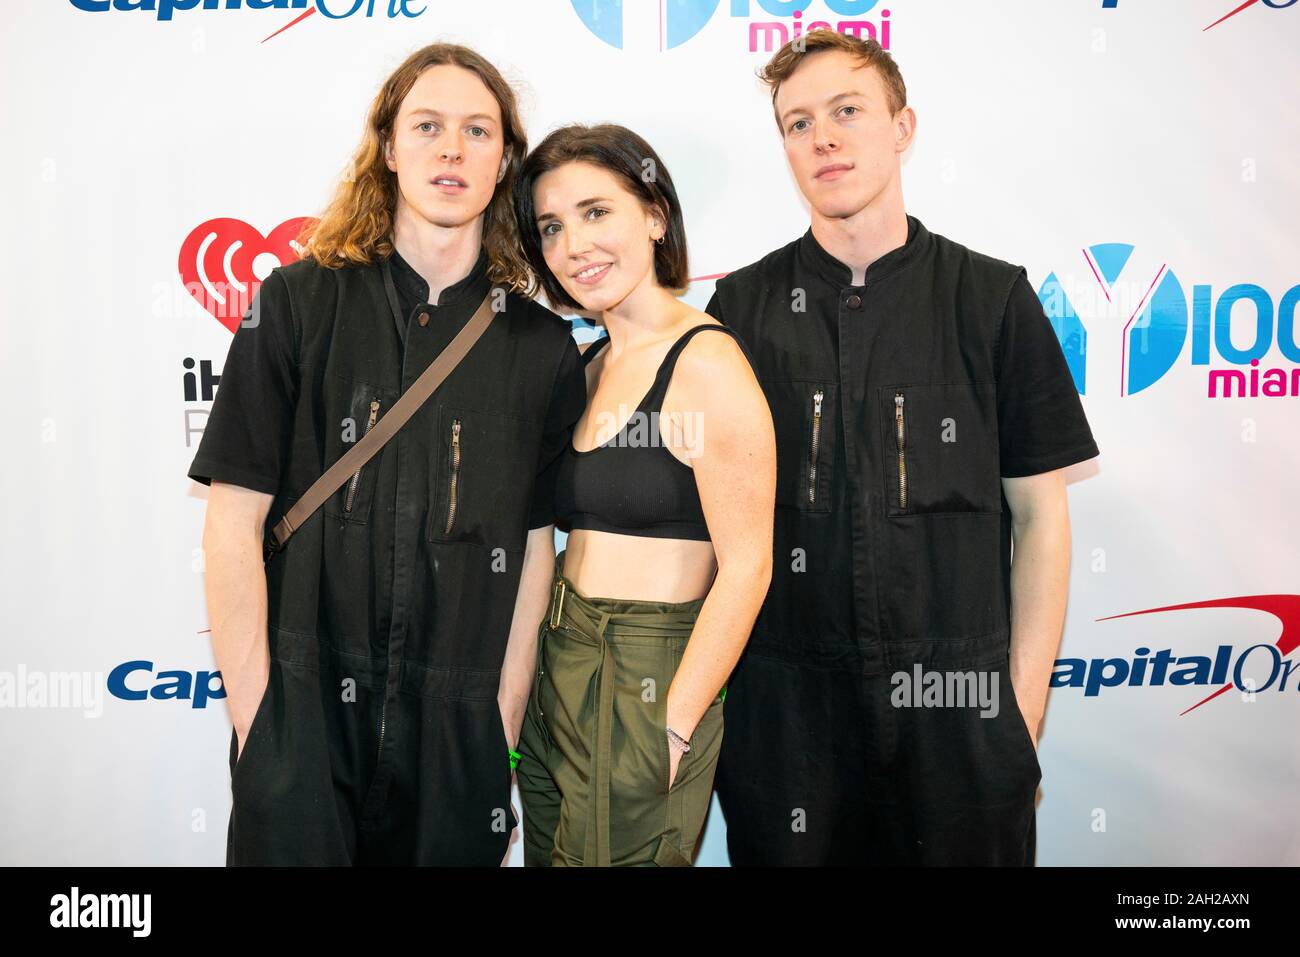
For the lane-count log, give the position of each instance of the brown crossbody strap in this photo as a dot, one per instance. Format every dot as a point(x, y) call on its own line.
point(383, 430)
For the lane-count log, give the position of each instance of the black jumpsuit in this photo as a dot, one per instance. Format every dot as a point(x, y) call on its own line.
point(898, 405)
point(379, 738)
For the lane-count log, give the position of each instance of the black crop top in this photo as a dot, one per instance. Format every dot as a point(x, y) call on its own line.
point(633, 484)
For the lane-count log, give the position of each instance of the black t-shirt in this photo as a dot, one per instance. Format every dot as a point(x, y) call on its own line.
point(413, 292)
point(247, 433)
point(887, 549)
point(1041, 423)
point(245, 439)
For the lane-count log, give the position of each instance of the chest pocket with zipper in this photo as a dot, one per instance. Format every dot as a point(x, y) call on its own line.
point(805, 419)
point(363, 405)
point(480, 474)
point(940, 448)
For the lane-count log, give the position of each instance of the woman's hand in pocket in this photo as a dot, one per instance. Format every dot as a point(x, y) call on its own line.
point(674, 761)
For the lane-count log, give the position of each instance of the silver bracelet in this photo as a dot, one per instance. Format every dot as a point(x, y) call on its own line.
point(678, 740)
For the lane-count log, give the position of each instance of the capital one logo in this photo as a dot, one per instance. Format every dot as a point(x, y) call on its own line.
point(1140, 295)
point(164, 10)
point(677, 21)
point(1273, 4)
point(1259, 667)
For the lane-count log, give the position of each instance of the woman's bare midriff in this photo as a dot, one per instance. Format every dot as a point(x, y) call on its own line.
point(606, 565)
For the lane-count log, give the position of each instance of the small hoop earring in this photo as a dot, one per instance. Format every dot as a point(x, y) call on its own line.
point(659, 241)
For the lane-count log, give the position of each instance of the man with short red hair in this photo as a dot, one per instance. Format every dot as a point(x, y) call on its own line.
point(924, 413)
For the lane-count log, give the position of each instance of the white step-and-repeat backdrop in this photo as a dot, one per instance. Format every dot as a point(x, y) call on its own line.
point(1140, 157)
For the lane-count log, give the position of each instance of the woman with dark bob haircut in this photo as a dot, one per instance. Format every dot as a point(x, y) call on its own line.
point(669, 510)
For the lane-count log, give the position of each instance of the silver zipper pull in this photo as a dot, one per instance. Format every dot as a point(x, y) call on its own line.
point(901, 430)
point(455, 475)
point(356, 476)
point(813, 445)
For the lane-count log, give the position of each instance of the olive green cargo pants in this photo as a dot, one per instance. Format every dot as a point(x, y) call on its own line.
point(593, 775)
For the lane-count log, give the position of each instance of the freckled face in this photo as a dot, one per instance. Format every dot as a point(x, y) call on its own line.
point(840, 139)
point(447, 146)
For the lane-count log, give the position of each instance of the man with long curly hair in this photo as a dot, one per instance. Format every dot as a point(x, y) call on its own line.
point(378, 667)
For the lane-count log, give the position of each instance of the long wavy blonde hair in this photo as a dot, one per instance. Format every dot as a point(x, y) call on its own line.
point(357, 226)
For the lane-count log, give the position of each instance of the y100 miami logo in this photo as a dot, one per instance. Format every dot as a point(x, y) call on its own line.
point(1254, 669)
point(680, 20)
point(1161, 323)
point(1273, 4)
point(329, 9)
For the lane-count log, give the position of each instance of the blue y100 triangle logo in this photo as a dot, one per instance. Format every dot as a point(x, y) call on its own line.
point(680, 20)
point(1158, 320)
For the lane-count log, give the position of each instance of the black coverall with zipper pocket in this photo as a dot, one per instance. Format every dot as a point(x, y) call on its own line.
point(378, 738)
point(899, 406)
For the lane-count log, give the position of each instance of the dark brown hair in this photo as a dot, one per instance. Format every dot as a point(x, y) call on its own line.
point(630, 158)
point(357, 226)
point(787, 59)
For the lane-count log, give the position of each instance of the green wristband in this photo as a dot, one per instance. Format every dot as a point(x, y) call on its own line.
point(515, 758)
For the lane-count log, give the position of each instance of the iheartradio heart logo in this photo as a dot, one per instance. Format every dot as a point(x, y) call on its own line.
point(224, 261)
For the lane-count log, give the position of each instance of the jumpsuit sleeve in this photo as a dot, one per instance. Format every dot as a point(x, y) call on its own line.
point(246, 437)
point(714, 308)
point(1041, 423)
point(568, 399)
